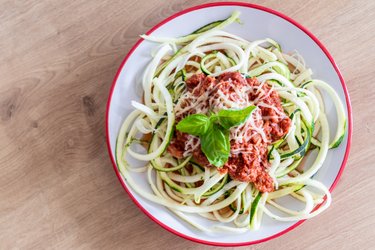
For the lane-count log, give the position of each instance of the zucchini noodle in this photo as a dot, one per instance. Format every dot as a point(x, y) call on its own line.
point(185, 187)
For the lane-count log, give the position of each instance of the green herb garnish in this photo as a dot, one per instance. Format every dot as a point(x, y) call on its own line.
point(213, 131)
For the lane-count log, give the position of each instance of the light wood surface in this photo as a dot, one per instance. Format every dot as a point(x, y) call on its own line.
point(57, 186)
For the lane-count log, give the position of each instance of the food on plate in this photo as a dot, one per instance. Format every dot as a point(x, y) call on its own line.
point(224, 130)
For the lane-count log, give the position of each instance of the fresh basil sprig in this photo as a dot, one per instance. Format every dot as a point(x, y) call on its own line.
point(229, 118)
point(213, 131)
point(196, 124)
point(215, 145)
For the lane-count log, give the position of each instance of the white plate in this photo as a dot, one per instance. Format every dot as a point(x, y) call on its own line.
point(258, 23)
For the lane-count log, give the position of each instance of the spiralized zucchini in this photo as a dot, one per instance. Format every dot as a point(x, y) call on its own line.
point(185, 187)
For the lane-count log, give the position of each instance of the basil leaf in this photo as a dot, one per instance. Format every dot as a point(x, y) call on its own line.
point(229, 118)
point(196, 124)
point(215, 145)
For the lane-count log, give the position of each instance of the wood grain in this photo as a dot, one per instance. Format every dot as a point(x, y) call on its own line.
point(57, 187)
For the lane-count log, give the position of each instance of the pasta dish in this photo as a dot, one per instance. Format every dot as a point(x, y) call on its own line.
point(224, 130)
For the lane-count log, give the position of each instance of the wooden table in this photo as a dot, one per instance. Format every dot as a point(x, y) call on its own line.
point(57, 186)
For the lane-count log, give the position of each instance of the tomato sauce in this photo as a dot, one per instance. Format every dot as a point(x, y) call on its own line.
point(248, 160)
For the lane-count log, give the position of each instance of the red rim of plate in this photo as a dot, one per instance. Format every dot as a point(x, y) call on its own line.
point(253, 6)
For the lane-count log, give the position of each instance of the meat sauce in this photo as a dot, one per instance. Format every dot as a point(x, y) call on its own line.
point(248, 160)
